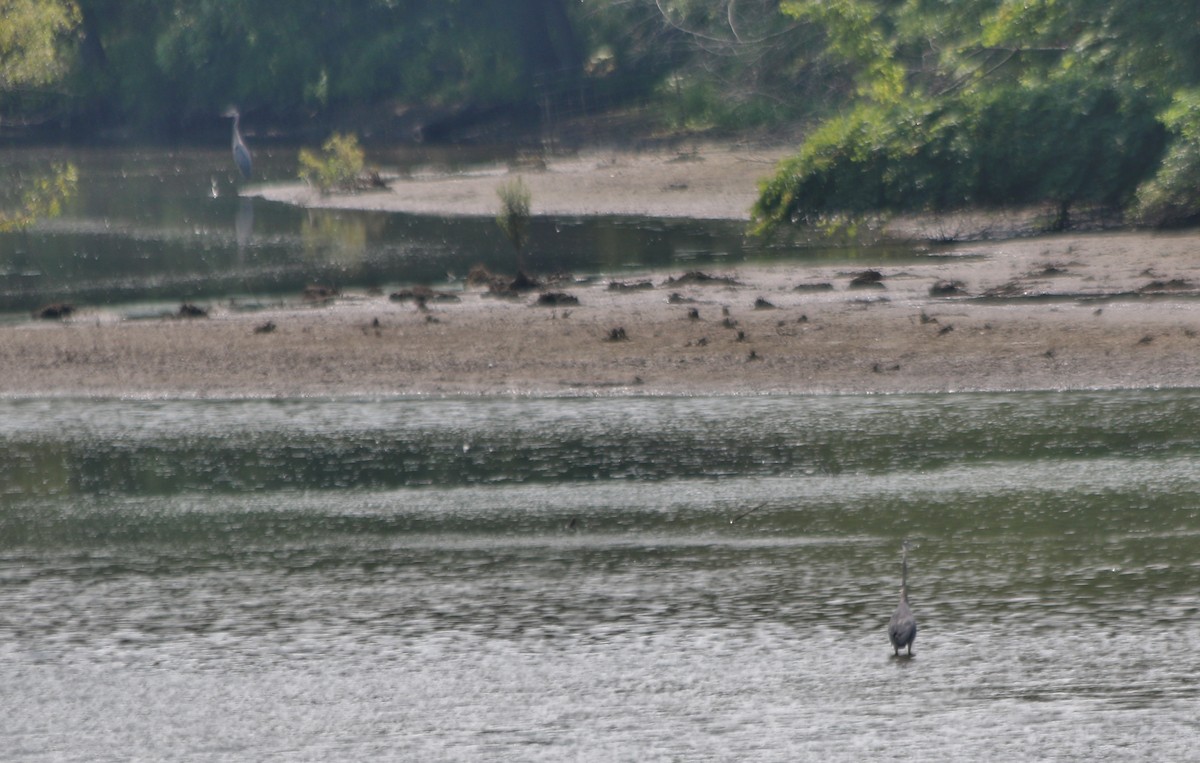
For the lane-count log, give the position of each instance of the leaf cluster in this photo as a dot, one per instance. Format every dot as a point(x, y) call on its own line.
point(1172, 196)
point(338, 167)
point(33, 41)
point(994, 103)
point(162, 67)
point(1067, 141)
point(37, 196)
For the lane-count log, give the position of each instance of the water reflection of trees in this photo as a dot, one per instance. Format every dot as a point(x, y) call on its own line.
point(30, 195)
point(339, 239)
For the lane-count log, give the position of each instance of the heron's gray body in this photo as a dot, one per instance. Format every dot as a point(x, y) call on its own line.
point(902, 628)
point(241, 154)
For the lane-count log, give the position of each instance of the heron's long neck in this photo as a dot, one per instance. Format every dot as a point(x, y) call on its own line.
point(904, 578)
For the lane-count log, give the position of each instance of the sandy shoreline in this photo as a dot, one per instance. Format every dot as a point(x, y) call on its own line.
point(1093, 325)
point(700, 181)
point(1111, 310)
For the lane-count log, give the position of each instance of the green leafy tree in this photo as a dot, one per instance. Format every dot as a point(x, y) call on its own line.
point(165, 65)
point(857, 33)
point(714, 63)
point(1172, 196)
point(994, 103)
point(33, 50)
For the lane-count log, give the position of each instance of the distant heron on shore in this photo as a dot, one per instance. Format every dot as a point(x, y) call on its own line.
point(241, 154)
point(902, 628)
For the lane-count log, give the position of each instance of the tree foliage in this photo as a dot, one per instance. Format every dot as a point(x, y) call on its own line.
point(718, 63)
point(997, 103)
point(36, 195)
point(163, 67)
point(34, 53)
point(910, 105)
point(33, 49)
point(1172, 196)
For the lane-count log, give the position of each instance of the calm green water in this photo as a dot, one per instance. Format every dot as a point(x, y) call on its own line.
point(145, 227)
point(559, 579)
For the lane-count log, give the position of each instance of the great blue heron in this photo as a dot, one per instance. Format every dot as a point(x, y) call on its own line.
point(902, 628)
point(241, 154)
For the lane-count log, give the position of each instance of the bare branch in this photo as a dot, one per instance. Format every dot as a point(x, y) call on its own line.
point(737, 36)
point(732, 25)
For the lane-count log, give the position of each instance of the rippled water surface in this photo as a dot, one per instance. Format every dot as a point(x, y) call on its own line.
point(560, 579)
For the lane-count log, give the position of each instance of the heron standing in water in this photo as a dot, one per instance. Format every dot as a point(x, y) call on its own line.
point(902, 628)
point(241, 154)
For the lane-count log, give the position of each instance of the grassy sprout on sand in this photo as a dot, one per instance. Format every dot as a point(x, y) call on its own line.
point(513, 217)
point(338, 166)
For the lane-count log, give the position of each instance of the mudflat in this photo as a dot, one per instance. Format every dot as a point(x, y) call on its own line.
point(1072, 311)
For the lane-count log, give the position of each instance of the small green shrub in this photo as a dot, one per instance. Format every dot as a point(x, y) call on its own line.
point(514, 215)
point(339, 166)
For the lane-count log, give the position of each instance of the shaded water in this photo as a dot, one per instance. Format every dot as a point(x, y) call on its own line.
point(560, 579)
point(145, 227)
